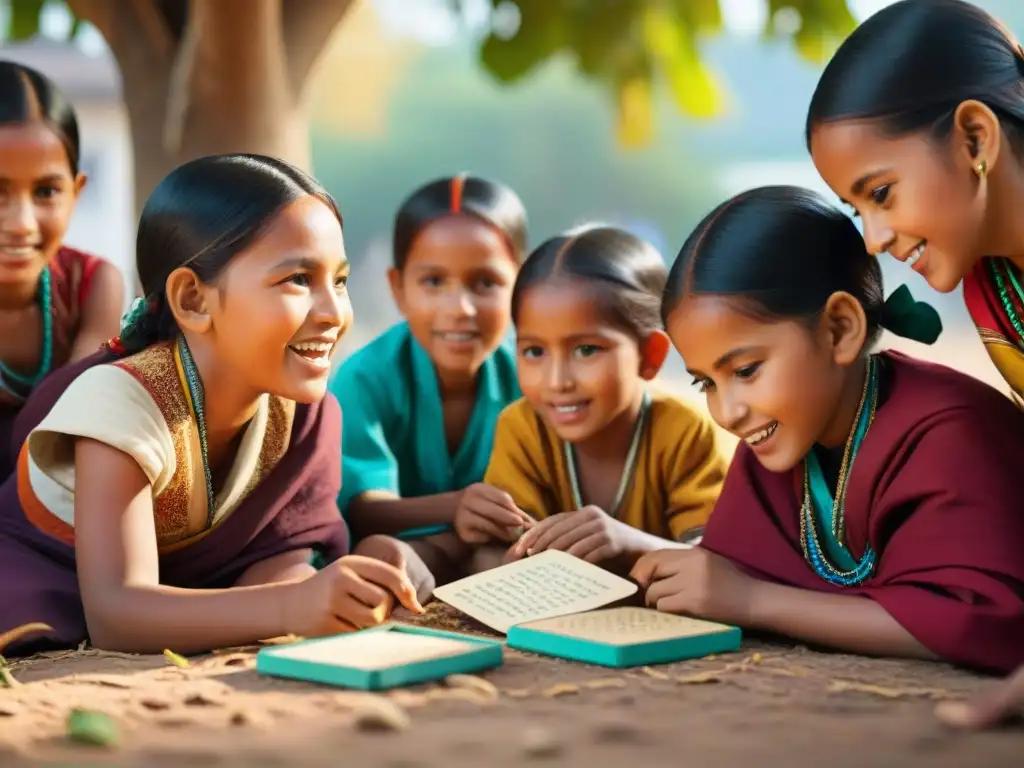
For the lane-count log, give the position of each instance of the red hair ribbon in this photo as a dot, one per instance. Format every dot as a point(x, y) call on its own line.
point(457, 184)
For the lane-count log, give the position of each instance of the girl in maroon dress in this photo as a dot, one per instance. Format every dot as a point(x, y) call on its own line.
point(57, 304)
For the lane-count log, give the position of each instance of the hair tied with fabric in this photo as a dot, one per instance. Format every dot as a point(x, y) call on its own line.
point(138, 309)
point(132, 323)
point(903, 315)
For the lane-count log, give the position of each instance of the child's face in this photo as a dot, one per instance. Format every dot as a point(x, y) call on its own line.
point(907, 195)
point(37, 197)
point(455, 291)
point(773, 385)
point(578, 371)
point(280, 306)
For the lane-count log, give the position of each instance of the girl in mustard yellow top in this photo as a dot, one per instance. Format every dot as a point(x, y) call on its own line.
point(610, 467)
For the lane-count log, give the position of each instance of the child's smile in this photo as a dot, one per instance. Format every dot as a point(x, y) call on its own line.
point(760, 438)
point(315, 352)
point(769, 384)
point(569, 412)
point(37, 196)
point(454, 290)
point(574, 365)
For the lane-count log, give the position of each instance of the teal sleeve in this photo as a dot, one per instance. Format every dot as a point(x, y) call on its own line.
point(367, 461)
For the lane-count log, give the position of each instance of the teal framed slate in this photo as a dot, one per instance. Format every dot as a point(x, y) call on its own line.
point(312, 660)
point(624, 652)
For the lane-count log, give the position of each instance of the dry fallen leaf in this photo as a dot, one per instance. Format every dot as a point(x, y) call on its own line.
point(155, 704)
point(19, 632)
point(108, 681)
point(9, 708)
point(657, 674)
point(484, 688)
point(787, 671)
point(701, 678)
point(842, 686)
point(377, 713)
point(560, 689)
point(605, 682)
point(283, 640)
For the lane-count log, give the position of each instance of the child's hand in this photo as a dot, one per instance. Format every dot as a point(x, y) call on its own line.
point(589, 534)
point(992, 706)
point(399, 554)
point(486, 514)
point(353, 592)
point(695, 582)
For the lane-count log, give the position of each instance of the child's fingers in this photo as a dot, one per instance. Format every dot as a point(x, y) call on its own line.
point(527, 540)
point(988, 708)
point(547, 534)
point(571, 536)
point(655, 565)
point(392, 579)
point(491, 529)
point(588, 545)
point(643, 571)
point(661, 590)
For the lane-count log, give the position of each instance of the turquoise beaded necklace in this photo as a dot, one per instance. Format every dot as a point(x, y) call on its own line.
point(198, 397)
point(816, 500)
point(19, 384)
point(997, 268)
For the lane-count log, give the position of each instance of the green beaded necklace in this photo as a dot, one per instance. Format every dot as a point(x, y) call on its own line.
point(1002, 273)
point(18, 384)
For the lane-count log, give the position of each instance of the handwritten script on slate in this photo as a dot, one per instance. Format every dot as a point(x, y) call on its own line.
point(539, 587)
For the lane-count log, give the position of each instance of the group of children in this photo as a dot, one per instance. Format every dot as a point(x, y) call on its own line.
point(192, 484)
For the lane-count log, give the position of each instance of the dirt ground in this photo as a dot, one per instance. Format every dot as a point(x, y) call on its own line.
point(767, 705)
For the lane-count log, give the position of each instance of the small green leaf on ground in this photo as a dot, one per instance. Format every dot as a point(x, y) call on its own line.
point(95, 728)
point(175, 659)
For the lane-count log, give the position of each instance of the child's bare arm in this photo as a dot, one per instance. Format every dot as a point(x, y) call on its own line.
point(126, 607)
point(382, 512)
point(288, 566)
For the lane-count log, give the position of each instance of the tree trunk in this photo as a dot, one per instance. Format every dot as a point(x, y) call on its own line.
point(204, 77)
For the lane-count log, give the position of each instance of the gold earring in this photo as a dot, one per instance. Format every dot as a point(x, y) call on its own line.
point(981, 169)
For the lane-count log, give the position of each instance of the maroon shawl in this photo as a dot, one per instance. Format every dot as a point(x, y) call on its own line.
point(936, 491)
point(293, 508)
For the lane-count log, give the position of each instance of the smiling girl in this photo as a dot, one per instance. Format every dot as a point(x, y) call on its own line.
point(420, 402)
point(873, 504)
point(611, 467)
point(918, 124)
point(171, 491)
point(57, 304)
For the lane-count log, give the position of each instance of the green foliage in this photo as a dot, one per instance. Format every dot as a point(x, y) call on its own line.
point(632, 46)
point(25, 18)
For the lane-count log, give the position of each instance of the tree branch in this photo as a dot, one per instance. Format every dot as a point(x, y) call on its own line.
point(179, 88)
point(308, 26)
point(128, 27)
point(152, 22)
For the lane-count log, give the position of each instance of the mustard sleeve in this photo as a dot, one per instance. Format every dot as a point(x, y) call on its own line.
point(696, 472)
point(517, 461)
